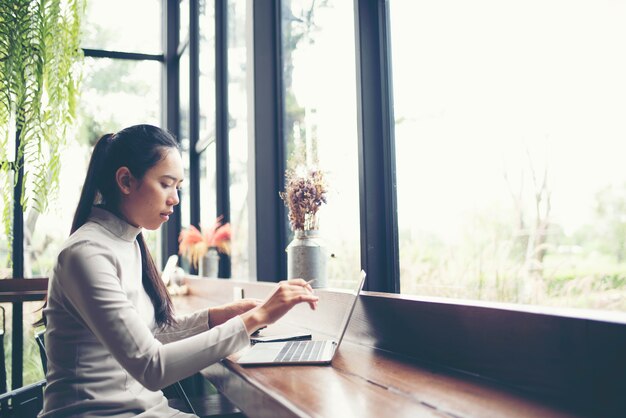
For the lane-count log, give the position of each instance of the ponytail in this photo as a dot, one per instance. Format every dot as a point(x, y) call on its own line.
point(154, 286)
point(87, 197)
point(90, 187)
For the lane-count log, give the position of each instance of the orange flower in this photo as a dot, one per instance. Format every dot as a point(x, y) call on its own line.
point(220, 238)
point(194, 244)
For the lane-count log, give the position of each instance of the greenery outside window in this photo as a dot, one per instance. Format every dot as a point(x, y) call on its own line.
point(115, 94)
point(509, 149)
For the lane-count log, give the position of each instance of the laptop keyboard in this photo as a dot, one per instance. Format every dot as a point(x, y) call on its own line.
point(301, 351)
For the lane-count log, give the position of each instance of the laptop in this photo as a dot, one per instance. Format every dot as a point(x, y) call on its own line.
point(300, 351)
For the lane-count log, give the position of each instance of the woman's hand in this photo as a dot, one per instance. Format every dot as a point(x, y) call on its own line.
point(287, 295)
point(220, 314)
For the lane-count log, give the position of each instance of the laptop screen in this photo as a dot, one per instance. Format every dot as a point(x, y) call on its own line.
point(346, 319)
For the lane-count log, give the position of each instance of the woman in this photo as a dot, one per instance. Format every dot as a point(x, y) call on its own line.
point(112, 338)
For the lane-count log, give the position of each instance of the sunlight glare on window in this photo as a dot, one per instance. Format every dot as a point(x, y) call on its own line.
point(509, 149)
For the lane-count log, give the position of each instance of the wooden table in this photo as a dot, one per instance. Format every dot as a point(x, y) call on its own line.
point(363, 380)
point(23, 290)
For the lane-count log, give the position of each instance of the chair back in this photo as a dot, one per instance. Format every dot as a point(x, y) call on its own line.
point(3, 366)
point(17, 291)
point(213, 406)
point(41, 343)
point(24, 402)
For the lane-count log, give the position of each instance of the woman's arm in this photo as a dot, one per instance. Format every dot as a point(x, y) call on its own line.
point(185, 326)
point(93, 289)
point(220, 314)
point(204, 319)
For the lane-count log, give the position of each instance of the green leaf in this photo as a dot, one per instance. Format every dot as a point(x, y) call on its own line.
point(39, 51)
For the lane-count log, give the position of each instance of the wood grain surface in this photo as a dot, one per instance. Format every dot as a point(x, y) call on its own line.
point(397, 360)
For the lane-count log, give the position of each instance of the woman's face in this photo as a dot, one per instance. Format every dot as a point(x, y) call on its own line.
point(150, 201)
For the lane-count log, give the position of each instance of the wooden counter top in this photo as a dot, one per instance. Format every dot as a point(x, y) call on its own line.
point(363, 381)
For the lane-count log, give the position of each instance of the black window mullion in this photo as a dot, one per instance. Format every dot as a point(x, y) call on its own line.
point(17, 351)
point(222, 168)
point(170, 94)
point(377, 176)
point(271, 224)
point(135, 56)
point(194, 113)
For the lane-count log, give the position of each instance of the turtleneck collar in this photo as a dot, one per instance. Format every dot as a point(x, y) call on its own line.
point(114, 224)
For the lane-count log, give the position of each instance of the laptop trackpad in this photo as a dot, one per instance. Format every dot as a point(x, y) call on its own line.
point(262, 353)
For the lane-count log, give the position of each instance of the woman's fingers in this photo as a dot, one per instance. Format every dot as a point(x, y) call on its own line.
point(286, 295)
point(307, 296)
point(297, 282)
point(299, 285)
point(302, 283)
point(294, 292)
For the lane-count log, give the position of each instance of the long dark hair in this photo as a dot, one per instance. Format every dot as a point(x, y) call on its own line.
point(138, 148)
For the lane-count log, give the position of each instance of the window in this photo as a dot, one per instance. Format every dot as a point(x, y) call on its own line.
point(509, 145)
point(120, 25)
point(238, 136)
point(207, 115)
point(320, 119)
point(185, 198)
point(114, 94)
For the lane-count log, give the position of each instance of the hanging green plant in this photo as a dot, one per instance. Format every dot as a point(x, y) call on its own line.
point(40, 59)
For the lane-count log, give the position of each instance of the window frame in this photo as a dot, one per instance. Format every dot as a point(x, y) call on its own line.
point(269, 144)
point(377, 191)
point(377, 168)
point(600, 332)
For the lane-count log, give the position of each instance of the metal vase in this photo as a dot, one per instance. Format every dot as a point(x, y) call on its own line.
point(306, 258)
point(209, 264)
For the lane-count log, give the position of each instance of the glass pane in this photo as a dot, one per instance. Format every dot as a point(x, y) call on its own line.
point(320, 119)
point(114, 94)
point(185, 207)
point(509, 148)
point(120, 25)
point(183, 34)
point(32, 370)
point(208, 208)
point(207, 115)
point(238, 136)
point(5, 267)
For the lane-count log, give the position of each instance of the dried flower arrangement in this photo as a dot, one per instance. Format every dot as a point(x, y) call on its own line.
point(194, 243)
point(305, 191)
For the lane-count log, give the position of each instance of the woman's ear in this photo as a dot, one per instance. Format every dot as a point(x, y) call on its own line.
point(123, 178)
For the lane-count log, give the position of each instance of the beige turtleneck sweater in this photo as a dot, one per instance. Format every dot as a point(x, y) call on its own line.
point(106, 356)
